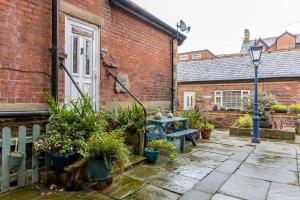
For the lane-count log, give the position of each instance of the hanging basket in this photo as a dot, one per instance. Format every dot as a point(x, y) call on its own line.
point(16, 158)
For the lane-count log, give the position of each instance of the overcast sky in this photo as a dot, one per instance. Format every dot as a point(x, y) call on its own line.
point(218, 25)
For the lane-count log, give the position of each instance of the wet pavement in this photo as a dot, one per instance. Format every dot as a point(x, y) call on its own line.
point(224, 168)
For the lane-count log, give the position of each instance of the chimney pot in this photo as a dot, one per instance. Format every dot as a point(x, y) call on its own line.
point(246, 36)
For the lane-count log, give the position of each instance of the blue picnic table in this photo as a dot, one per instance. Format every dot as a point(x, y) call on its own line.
point(159, 128)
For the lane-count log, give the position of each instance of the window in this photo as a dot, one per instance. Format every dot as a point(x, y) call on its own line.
point(196, 56)
point(231, 99)
point(88, 57)
point(75, 55)
point(183, 57)
point(189, 100)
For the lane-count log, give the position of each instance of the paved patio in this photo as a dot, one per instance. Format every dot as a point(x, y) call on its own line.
point(224, 168)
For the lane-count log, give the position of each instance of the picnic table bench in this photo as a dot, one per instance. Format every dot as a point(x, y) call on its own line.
point(159, 128)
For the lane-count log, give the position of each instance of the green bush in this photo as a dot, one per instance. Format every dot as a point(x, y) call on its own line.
point(280, 108)
point(244, 122)
point(207, 125)
point(264, 101)
point(295, 108)
point(195, 117)
point(107, 145)
point(163, 144)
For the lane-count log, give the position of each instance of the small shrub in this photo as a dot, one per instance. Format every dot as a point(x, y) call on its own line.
point(244, 122)
point(163, 144)
point(280, 108)
point(207, 125)
point(195, 117)
point(295, 108)
point(17, 154)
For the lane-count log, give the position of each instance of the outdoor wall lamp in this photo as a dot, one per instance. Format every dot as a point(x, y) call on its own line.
point(255, 53)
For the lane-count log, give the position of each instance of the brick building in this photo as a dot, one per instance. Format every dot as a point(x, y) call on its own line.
point(225, 81)
point(204, 54)
point(93, 37)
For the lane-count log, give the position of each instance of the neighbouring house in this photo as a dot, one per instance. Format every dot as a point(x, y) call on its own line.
point(196, 55)
point(90, 38)
point(285, 41)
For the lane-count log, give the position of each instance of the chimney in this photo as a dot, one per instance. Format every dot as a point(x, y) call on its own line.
point(246, 36)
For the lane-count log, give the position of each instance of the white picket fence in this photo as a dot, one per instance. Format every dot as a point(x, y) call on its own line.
point(22, 176)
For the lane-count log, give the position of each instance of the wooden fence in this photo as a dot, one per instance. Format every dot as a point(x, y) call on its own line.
point(22, 176)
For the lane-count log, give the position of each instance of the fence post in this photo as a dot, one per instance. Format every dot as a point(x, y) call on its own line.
point(35, 161)
point(22, 148)
point(5, 179)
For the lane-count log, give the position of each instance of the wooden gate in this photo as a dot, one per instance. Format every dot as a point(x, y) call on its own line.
point(22, 176)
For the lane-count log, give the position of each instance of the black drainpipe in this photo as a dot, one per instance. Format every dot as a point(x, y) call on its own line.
point(54, 49)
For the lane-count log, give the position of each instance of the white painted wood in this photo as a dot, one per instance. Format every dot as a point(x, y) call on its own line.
point(189, 100)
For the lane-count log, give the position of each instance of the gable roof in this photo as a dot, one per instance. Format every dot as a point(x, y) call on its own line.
point(141, 13)
point(284, 64)
point(268, 41)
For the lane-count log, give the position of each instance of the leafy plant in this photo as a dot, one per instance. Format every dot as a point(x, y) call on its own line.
point(295, 108)
point(264, 101)
point(195, 117)
point(279, 107)
point(163, 144)
point(132, 119)
point(207, 125)
point(244, 122)
point(17, 154)
point(108, 146)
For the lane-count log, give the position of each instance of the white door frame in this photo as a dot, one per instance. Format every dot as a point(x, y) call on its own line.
point(69, 22)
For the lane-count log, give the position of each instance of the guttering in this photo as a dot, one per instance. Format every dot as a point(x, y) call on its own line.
point(19, 114)
point(146, 16)
point(172, 75)
point(55, 49)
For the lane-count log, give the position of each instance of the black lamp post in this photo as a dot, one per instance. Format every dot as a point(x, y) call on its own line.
point(255, 53)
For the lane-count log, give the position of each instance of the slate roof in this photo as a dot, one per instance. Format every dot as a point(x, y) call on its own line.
point(268, 41)
point(274, 65)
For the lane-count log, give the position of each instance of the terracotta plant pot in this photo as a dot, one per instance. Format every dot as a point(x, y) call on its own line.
point(205, 133)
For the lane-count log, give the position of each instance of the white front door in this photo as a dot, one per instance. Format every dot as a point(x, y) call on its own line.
point(189, 100)
point(81, 46)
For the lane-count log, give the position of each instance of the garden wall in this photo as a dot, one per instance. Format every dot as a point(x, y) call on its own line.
point(227, 119)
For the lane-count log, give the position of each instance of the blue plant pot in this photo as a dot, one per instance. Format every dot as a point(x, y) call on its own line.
point(16, 161)
point(151, 155)
point(61, 161)
point(99, 170)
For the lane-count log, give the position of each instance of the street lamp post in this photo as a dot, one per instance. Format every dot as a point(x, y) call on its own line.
point(255, 53)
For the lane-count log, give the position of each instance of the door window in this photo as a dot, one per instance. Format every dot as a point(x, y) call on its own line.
point(189, 100)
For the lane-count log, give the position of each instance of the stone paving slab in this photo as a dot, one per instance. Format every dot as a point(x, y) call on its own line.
point(279, 191)
point(229, 166)
point(122, 186)
point(239, 156)
point(143, 172)
point(193, 171)
point(212, 182)
point(196, 195)
point(210, 155)
point(223, 197)
point(151, 192)
point(173, 182)
point(274, 161)
point(202, 161)
point(269, 174)
point(216, 150)
point(245, 188)
point(219, 146)
point(279, 149)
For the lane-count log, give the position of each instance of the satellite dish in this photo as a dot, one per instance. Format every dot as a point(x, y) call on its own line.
point(182, 26)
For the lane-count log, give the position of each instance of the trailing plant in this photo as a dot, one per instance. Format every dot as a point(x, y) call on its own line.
point(108, 146)
point(280, 107)
point(295, 108)
point(163, 144)
point(264, 101)
point(17, 154)
point(244, 122)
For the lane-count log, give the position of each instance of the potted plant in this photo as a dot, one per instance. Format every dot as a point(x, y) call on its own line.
point(102, 149)
point(295, 108)
point(195, 119)
point(244, 122)
point(206, 128)
point(154, 147)
point(16, 158)
point(280, 108)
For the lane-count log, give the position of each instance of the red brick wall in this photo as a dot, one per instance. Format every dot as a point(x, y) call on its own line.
point(205, 55)
point(140, 50)
point(286, 92)
point(286, 42)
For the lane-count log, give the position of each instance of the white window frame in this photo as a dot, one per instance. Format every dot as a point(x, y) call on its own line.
point(219, 94)
point(196, 56)
point(186, 94)
point(183, 57)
